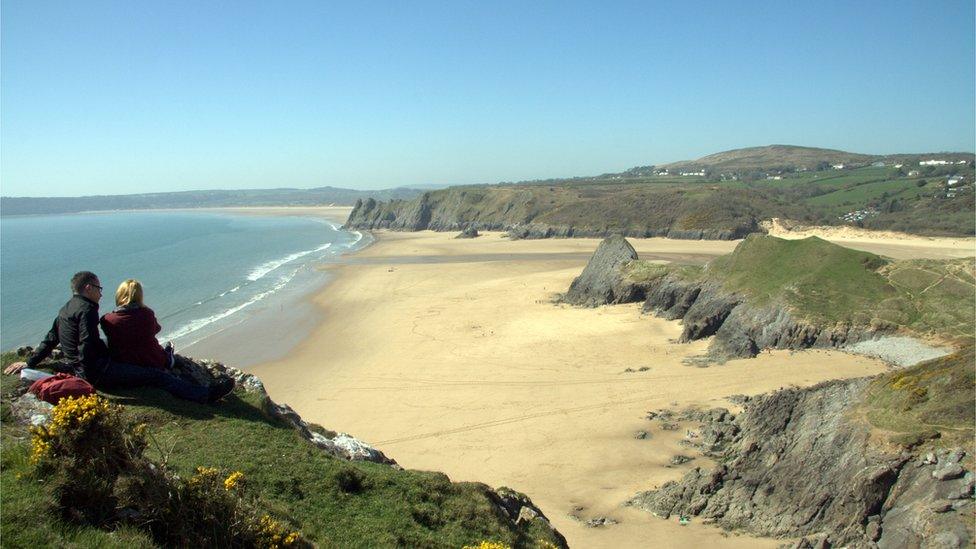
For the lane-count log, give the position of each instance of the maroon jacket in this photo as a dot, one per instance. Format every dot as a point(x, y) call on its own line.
point(131, 334)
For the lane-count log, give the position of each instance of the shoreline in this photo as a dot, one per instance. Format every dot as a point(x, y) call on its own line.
point(333, 213)
point(449, 355)
point(274, 328)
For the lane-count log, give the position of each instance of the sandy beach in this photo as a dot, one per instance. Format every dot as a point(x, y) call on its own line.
point(449, 355)
point(337, 214)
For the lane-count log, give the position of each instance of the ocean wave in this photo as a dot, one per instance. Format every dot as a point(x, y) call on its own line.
point(196, 324)
point(263, 269)
point(230, 291)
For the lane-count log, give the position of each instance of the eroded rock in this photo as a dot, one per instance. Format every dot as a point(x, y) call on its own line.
point(798, 463)
point(602, 281)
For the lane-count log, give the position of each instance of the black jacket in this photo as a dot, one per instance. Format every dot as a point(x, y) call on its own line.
point(76, 329)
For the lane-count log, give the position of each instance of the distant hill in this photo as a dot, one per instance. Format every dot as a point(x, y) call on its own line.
point(771, 157)
point(320, 196)
point(789, 158)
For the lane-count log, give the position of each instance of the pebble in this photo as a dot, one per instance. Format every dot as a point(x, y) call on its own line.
point(902, 351)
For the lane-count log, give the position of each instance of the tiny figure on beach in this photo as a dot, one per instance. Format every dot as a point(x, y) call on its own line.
point(133, 333)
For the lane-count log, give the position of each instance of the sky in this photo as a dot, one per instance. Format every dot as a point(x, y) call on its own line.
point(130, 97)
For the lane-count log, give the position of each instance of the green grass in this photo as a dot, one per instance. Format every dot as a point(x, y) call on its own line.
point(294, 481)
point(825, 283)
point(935, 297)
point(866, 193)
point(644, 272)
point(818, 280)
point(932, 400)
point(831, 179)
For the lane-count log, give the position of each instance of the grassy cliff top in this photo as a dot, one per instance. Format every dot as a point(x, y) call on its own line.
point(932, 400)
point(817, 279)
point(293, 480)
point(823, 282)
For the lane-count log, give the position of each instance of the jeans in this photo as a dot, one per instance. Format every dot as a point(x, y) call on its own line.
point(119, 375)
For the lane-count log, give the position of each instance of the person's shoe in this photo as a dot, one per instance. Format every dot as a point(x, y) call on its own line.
point(220, 389)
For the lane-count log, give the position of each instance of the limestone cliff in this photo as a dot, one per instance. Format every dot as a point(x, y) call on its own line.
point(528, 211)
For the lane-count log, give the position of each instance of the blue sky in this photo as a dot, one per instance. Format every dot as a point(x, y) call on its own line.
point(124, 97)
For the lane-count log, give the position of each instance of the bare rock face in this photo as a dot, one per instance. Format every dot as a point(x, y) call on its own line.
point(741, 329)
point(802, 464)
point(602, 281)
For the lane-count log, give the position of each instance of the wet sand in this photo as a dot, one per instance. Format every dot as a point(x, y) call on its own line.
point(449, 355)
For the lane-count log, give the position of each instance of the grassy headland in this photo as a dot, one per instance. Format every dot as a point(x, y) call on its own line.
point(822, 282)
point(380, 507)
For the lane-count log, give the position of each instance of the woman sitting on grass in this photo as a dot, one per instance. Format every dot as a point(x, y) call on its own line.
point(131, 333)
point(131, 330)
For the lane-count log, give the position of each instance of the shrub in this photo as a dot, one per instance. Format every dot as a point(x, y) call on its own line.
point(92, 460)
point(349, 480)
point(82, 451)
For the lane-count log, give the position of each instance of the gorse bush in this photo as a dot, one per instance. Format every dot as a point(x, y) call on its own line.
point(92, 460)
point(82, 452)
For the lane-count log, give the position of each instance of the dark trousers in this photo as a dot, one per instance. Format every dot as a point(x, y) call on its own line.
point(119, 375)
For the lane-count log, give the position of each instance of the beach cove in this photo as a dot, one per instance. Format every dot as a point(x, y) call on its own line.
point(449, 355)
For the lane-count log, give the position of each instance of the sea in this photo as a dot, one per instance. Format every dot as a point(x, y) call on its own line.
point(229, 286)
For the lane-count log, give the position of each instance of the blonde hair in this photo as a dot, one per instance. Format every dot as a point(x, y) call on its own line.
point(129, 293)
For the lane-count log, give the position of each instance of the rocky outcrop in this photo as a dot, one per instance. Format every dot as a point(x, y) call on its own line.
point(741, 329)
point(602, 281)
point(541, 230)
point(523, 513)
point(469, 232)
point(800, 462)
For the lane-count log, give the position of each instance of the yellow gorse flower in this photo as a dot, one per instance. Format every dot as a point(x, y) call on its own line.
point(233, 480)
point(204, 474)
point(70, 413)
point(488, 545)
point(272, 534)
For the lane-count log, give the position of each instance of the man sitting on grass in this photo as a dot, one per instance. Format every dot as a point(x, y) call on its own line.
point(76, 330)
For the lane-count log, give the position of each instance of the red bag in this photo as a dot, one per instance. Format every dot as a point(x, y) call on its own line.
point(54, 388)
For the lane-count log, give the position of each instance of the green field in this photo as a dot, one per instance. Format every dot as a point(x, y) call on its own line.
point(866, 193)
